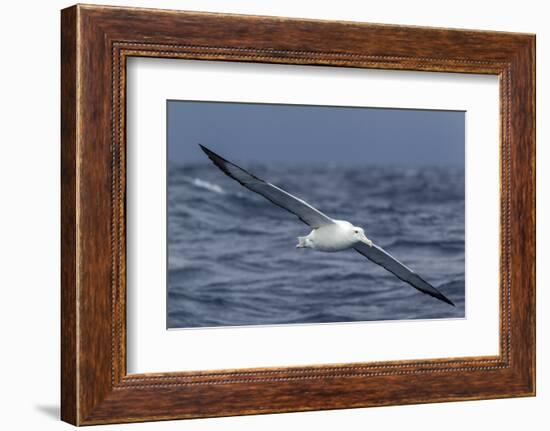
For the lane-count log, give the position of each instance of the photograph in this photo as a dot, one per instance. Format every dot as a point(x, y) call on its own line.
point(304, 214)
point(275, 210)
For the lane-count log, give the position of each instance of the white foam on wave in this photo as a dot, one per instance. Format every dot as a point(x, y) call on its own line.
point(208, 186)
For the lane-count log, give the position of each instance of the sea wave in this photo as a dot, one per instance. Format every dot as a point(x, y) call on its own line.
point(232, 258)
point(207, 185)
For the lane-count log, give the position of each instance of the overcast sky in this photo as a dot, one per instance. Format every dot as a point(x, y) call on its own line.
point(299, 134)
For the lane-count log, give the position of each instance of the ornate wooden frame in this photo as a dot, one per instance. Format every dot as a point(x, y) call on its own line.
point(95, 43)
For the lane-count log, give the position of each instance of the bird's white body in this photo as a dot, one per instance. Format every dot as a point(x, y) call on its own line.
point(336, 236)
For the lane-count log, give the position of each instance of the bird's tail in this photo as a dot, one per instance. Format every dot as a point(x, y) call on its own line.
point(301, 242)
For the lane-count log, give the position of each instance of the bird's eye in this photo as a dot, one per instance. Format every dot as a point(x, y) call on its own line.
point(356, 231)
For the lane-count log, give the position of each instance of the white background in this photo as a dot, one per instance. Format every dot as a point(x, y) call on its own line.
point(152, 349)
point(29, 220)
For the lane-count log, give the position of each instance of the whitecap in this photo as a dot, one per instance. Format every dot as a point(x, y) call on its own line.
point(208, 186)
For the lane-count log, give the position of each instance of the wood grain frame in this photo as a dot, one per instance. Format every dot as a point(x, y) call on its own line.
point(95, 43)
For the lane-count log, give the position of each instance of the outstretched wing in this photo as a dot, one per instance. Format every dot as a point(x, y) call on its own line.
point(276, 195)
point(384, 259)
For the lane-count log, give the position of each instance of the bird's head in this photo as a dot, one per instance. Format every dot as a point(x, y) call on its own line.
point(358, 235)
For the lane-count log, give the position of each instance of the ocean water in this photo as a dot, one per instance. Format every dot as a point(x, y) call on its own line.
point(232, 259)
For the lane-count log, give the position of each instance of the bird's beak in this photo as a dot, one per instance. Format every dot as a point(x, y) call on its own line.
point(366, 240)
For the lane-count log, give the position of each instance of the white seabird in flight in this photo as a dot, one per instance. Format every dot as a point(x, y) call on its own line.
point(328, 234)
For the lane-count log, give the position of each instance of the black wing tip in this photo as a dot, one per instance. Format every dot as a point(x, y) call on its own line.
point(442, 297)
point(223, 164)
point(434, 294)
point(216, 158)
point(447, 300)
point(207, 150)
point(211, 154)
point(438, 295)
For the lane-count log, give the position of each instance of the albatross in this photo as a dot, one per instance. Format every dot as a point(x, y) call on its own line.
point(327, 234)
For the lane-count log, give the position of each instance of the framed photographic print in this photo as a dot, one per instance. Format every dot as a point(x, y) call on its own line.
point(266, 215)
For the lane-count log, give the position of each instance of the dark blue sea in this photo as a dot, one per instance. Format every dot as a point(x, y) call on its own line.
point(232, 259)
